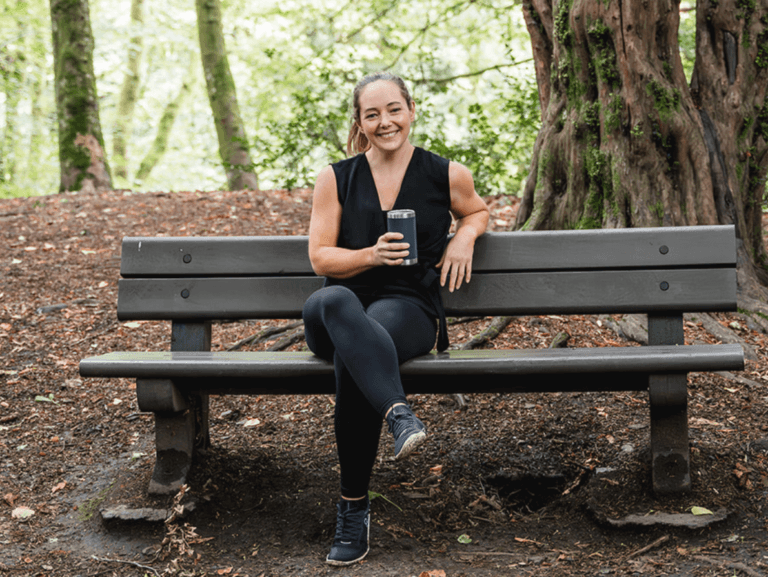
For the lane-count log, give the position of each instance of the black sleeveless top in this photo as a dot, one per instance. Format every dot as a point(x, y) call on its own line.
point(426, 190)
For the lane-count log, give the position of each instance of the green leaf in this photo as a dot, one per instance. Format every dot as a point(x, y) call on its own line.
point(465, 539)
point(701, 511)
point(373, 495)
point(43, 399)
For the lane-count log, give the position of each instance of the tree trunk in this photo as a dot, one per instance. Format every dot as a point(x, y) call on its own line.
point(157, 150)
point(81, 145)
point(128, 93)
point(622, 142)
point(233, 144)
point(729, 84)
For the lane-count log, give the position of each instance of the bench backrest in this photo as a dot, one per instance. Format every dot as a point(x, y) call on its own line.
point(654, 270)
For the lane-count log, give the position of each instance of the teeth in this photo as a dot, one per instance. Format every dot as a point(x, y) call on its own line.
point(388, 135)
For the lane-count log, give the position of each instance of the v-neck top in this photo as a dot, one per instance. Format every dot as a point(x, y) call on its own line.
point(426, 190)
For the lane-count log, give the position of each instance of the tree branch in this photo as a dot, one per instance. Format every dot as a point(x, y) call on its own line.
point(468, 74)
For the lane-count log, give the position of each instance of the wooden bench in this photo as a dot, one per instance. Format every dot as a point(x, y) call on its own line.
point(663, 272)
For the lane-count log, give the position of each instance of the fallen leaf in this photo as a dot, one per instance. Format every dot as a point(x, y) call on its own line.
point(22, 513)
point(701, 511)
point(9, 498)
point(59, 486)
point(132, 325)
point(102, 284)
point(226, 571)
point(43, 399)
point(465, 539)
point(251, 423)
point(433, 573)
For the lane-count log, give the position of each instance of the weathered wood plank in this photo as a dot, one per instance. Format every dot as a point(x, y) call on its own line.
point(472, 366)
point(582, 292)
point(541, 250)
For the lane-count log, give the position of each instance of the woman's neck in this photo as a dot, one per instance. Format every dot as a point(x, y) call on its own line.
point(385, 158)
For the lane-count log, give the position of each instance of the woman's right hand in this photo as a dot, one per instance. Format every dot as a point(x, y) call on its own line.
point(388, 252)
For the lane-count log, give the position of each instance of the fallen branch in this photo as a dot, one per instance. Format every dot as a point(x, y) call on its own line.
point(728, 565)
point(263, 335)
point(498, 324)
point(133, 563)
point(647, 548)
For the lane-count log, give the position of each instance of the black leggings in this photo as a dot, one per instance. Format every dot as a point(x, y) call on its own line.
point(366, 345)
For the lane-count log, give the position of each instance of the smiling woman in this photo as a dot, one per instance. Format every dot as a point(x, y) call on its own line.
point(374, 312)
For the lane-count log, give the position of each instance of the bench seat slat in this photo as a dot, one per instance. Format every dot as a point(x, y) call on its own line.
point(488, 294)
point(466, 364)
point(540, 250)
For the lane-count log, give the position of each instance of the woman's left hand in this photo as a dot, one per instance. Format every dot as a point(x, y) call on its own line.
point(456, 263)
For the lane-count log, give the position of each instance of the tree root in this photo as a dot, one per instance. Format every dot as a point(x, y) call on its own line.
point(264, 335)
point(498, 324)
point(288, 340)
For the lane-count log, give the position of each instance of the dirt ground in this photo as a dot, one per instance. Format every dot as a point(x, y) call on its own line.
point(550, 484)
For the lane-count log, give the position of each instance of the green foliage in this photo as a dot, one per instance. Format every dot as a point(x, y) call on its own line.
point(603, 54)
point(665, 101)
point(295, 63)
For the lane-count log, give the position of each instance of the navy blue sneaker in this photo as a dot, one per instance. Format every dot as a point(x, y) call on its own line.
point(409, 432)
point(353, 526)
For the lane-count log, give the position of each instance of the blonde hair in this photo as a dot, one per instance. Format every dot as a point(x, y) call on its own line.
point(357, 142)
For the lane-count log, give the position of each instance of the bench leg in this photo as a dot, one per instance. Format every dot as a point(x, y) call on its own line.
point(175, 445)
point(179, 434)
point(671, 462)
point(181, 428)
point(668, 394)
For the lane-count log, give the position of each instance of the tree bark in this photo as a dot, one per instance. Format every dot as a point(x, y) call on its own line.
point(233, 143)
point(128, 93)
point(81, 145)
point(729, 84)
point(623, 142)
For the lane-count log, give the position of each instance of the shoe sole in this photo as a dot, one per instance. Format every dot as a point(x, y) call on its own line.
point(335, 563)
point(411, 444)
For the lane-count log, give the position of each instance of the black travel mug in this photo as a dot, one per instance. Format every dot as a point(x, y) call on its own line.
point(404, 222)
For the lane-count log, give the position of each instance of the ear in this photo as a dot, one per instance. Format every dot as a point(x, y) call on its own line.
point(413, 110)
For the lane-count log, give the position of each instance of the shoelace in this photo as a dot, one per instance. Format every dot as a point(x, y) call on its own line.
point(399, 424)
point(350, 524)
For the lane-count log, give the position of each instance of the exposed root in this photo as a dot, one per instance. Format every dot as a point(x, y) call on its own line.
point(288, 340)
point(498, 324)
point(264, 335)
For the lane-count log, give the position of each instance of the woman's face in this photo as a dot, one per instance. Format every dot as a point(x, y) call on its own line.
point(384, 116)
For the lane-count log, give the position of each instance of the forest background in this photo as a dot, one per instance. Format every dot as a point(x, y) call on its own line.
point(294, 64)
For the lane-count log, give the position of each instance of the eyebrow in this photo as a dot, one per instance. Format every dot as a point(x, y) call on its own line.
point(389, 104)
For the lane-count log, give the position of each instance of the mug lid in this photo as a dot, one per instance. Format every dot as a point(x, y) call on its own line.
point(401, 213)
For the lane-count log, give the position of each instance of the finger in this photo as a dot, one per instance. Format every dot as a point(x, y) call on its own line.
point(460, 276)
point(454, 275)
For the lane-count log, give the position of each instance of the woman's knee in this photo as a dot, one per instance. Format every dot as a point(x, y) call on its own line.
point(329, 300)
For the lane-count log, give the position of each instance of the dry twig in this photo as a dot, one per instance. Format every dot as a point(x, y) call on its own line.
point(729, 565)
point(133, 563)
point(647, 548)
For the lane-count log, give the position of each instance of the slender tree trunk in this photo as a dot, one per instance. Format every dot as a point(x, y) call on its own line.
point(13, 81)
point(128, 93)
point(233, 143)
point(622, 142)
point(81, 145)
point(159, 145)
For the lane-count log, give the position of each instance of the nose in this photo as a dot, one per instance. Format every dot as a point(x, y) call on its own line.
point(385, 119)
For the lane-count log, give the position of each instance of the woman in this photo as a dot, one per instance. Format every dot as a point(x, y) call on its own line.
point(372, 315)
